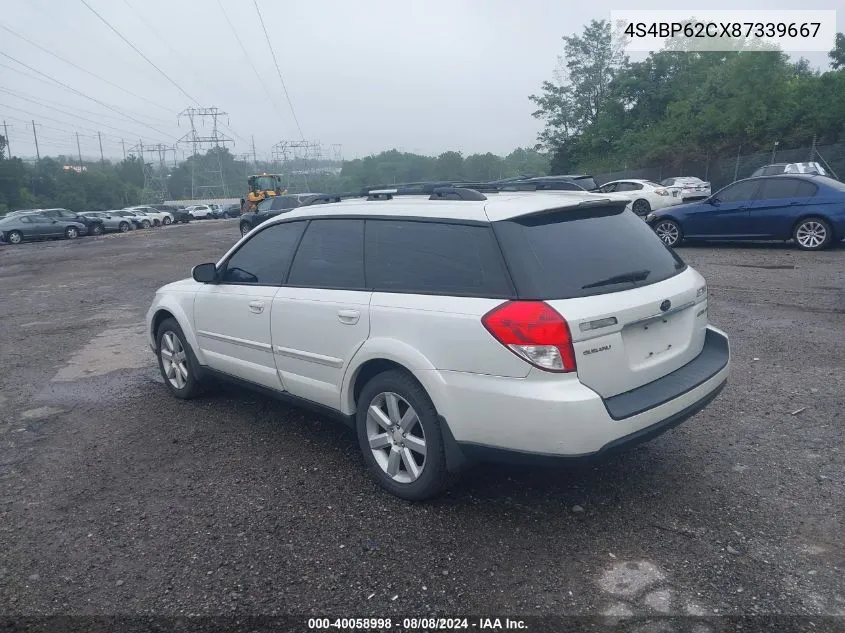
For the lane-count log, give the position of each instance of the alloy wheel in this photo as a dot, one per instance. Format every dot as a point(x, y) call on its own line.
point(668, 232)
point(811, 234)
point(396, 437)
point(174, 359)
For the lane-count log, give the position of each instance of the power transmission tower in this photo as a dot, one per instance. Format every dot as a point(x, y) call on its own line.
point(207, 179)
point(337, 153)
point(35, 136)
point(155, 184)
point(6, 136)
point(296, 160)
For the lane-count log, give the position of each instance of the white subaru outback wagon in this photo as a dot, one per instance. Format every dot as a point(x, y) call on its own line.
point(454, 328)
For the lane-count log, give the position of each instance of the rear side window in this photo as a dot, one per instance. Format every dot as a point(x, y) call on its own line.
point(568, 253)
point(786, 188)
point(434, 257)
point(264, 259)
point(331, 255)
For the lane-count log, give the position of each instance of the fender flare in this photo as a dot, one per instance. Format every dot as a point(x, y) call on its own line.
point(169, 304)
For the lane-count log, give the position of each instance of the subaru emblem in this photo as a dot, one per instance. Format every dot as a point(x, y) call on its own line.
point(665, 305)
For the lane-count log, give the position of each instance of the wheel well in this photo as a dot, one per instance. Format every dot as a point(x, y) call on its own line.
point(369, 370)
point(159, 318)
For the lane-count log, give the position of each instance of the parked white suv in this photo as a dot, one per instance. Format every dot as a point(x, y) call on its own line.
point(200, 211)
point(453, 329)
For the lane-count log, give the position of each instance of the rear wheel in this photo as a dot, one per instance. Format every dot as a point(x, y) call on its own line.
point(245, 228)
point(145, 224)
point(166, 220)
point(15, 237)
point(123, 227)
point(669, 231)
point(400, 437)
point(71, 233)
point(641, 207)
point(97, 229)
point(156, 222)
point(812, 234)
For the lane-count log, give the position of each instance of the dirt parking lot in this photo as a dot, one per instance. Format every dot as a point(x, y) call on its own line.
point(117, 498)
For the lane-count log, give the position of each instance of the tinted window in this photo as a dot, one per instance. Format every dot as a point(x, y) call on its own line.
point(629, 186)
point(565, 254)
point(427, 257)
point(264, 259)
point(774, 188)
point(25, 219)
point(738, 192)
point(586, 182)
point(331, 255)
point(609, 188)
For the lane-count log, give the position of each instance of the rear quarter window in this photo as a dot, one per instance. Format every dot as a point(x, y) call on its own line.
point(569, 253)
point(434, 258)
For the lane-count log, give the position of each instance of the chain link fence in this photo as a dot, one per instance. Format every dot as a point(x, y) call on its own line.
point(720, 172)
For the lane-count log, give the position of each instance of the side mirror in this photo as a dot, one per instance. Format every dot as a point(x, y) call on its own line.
point(713, 200)
point(205, 273)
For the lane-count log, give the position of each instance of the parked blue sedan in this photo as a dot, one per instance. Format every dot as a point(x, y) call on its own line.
point(808, 209)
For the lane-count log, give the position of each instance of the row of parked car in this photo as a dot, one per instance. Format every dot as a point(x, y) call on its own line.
point(40, 224)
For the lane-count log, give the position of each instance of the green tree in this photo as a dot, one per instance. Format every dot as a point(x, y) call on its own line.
point(837, 55)
point(449, 166)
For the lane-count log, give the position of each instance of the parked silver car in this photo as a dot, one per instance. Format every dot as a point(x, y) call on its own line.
point(32, 226)
point(111, 223)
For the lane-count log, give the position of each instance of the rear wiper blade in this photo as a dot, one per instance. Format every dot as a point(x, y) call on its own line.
point(633, 276)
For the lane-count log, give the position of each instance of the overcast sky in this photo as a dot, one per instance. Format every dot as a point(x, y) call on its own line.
point(368, 75)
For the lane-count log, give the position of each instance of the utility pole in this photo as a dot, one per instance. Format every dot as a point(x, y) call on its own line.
point(123, 145)
point(78, 151)
point(254, 161)
point(102, 159)
point(35, 136)
point(6, 136)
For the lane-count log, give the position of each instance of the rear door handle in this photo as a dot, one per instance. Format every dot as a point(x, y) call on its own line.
point(348, 317)
point(256, 306)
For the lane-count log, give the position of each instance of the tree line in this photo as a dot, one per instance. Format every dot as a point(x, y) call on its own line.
point(602, 111)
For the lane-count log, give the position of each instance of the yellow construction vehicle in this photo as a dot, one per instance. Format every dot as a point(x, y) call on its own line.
point(261, 186)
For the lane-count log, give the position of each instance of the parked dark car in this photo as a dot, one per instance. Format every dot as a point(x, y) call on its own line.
point(807, 209)
point(231, 210)
point(270, 208)
point(790, 168)
point(15, 229)
point(180, 214)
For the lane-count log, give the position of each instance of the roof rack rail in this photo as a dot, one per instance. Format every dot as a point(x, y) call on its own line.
point(326, 198)
point(461, 193)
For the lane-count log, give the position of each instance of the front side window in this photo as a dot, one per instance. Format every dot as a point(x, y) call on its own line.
point(738, 192)
point(264, 259)
point(331, 255)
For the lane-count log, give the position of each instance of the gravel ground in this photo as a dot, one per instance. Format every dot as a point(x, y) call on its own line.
point(117, 498)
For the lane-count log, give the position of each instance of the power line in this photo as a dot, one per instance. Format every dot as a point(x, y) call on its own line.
point(248, 58)
point(71, 114)
point(278, 71)
point(137, 50)
point(81, 94)
point(87, 72)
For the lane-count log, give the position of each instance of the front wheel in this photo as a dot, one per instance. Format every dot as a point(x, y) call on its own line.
point(123, 227)
point(669, 231)
point(15, 237)
point(812, 234)
point(174, 361)
point(400, 437)
point(166, 221)
point(71, 233)
point(245, 228)
point(145, 224)
point(97, 229)
point(641, 207)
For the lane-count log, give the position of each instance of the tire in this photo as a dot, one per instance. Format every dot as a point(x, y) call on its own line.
point(245, 228)
point(812, 234)
point(156, 222)
point(166, 220)
point(145, 224)
point(416, 482)
point(186, 219)
point(14, 237)
point(669, 232)
point(123, 227)
point(179, 376)
point(71, 233)
point(97, 229)
point(641, 207)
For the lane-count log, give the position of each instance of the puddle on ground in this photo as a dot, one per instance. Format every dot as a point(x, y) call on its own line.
point(112, 350)
point(40, 413)
point(769, 267)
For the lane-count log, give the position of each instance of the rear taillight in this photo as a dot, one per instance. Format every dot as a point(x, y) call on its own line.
point(534, 331)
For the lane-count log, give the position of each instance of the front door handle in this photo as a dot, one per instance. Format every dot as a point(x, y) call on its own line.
point(348, 317)
point(256, 306)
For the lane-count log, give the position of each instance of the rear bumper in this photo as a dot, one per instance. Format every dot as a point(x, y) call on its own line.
point(546, 417)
